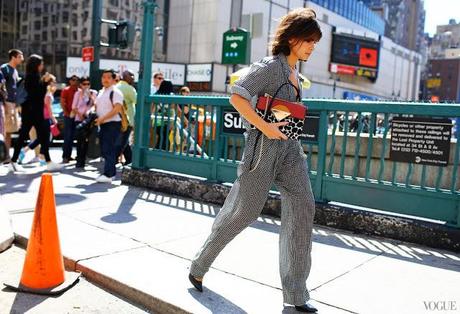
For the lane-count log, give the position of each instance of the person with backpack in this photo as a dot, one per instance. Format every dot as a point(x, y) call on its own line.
point(33, 112)
point(83, 102)
point(109, 104)
point(129, 109)
point(11, 77)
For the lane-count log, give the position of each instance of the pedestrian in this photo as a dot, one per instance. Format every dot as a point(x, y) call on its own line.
point(33, 112)
point(3, 97)
point(163, 113)
point(130, 98)
point(67, 95)
point(11, 76)
point(83, 102)
point(271, 157)
point(49, 120)
point(109, 104)
point(158, 77)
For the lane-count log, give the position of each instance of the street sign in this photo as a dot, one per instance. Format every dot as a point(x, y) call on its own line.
point(424, 141)
point(87, 54)
point(232, 124)
point(236, 46)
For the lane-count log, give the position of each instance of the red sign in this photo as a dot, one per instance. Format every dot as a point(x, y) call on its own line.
point(368, 57)
point(87, 54)
point(342, 69)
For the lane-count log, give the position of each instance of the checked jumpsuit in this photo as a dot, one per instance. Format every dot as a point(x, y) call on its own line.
point(281, 162)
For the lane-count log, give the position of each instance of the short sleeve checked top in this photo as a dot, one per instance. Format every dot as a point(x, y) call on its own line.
point(266, 76)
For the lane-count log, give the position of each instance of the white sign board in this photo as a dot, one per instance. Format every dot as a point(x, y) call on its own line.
point(172, 71)
point(199, 72)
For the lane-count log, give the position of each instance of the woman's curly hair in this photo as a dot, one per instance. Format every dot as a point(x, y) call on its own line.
point(300, 24)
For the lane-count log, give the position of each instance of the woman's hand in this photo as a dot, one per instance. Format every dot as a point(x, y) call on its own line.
point(272, 131)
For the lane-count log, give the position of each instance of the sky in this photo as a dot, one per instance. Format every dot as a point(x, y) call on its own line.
point(438, 12)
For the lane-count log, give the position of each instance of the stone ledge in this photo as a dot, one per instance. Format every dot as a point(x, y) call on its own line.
point(360, 221)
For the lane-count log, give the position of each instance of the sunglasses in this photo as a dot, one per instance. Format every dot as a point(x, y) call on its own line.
point(74, 79)
point(85, 84)
point(160, 78)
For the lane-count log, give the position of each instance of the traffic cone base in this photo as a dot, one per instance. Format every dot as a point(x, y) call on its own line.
point(71, 279)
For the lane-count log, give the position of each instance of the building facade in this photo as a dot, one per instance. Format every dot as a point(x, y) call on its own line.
point(58, 29)
point(196, 29)
point(404, 20)
point(9, 17)
point(443, 83)
point(446, 37)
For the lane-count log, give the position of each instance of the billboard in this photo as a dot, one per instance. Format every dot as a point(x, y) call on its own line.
point(172, 71)
point(355, 55)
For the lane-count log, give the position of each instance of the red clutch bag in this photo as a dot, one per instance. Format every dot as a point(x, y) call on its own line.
point(278, 110)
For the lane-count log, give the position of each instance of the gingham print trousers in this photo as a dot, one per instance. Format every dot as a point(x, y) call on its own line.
point(282, 162)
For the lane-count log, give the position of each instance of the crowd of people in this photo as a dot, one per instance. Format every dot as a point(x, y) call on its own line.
point(26, 110)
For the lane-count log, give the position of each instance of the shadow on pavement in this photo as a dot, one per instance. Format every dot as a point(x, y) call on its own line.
point(123, 215)
point(334, 237)
point(215, 302)
point(24, 302)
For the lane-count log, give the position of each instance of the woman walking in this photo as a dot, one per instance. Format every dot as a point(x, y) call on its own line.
point(33, 112)
point(49, 117)
point(270, 156)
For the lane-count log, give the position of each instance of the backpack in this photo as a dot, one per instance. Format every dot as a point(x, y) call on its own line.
point(122, 114)
point(21, 93)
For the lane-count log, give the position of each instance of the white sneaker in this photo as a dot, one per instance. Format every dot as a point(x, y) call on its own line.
point(51, 166)
point(14, 167)
point(103, 179)
point(34, 160)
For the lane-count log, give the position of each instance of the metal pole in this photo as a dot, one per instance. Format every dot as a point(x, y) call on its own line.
point(143, 120)
point(96, 43)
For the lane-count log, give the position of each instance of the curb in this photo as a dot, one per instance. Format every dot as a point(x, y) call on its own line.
point(135, 296)
point(355, 220)
point(6, 231)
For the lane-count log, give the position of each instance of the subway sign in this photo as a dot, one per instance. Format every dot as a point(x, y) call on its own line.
point(236, 46)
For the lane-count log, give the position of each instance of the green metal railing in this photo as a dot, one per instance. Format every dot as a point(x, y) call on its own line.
point(348, 166)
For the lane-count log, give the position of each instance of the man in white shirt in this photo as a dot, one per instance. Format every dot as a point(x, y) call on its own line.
point(108, 109)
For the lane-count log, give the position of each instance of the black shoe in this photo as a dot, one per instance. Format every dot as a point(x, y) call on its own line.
point(197, 284)
point(306, 308)
point(80, 165)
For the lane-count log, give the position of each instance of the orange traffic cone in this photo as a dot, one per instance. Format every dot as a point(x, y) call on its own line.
point(43, 271)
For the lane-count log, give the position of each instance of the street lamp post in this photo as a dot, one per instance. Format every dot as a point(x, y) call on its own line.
point(142, 124)
point(96, 43)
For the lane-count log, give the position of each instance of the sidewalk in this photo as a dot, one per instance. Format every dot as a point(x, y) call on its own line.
point(82, 298)
point(139, 244)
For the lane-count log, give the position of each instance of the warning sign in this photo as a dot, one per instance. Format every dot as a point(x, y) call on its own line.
point(421, 140)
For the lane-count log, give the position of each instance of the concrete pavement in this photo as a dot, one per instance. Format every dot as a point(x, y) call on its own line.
point(82, 298)
point(139, 243)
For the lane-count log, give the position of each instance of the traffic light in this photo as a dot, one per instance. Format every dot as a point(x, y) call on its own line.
point(121, 34)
